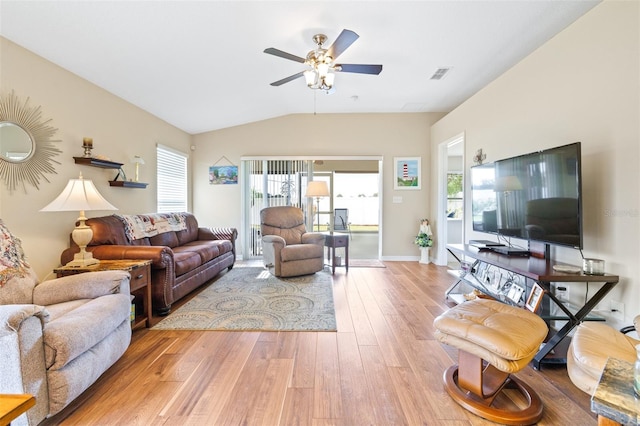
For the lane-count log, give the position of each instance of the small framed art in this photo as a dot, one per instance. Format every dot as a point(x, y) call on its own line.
point(407, 173)
point(535, 297)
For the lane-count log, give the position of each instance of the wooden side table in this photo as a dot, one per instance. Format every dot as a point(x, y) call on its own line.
point(140, 285)
point(12, 406)
point(332, 241)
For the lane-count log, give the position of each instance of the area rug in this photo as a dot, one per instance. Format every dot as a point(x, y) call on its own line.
point(250, 298)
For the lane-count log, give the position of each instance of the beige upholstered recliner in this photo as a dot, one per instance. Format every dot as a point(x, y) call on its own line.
point(288, 249)
point(57, 337)
point(591, 345)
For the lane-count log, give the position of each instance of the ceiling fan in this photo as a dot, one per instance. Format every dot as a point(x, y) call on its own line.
point(321, 61)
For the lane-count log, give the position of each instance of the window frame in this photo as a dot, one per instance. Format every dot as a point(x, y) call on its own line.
point(176, 182)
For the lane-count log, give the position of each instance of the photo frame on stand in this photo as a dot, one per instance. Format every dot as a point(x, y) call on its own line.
point(535, 297)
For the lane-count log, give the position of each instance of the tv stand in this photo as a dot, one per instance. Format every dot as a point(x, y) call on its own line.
point(532, 270)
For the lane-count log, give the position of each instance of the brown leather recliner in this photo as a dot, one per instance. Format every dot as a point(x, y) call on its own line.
point(288, 249)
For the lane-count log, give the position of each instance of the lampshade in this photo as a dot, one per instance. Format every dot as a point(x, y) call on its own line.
point(317, 188)
point(137, 159)
point(80, 195)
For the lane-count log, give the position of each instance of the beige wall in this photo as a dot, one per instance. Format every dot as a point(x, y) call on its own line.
point(583, 85)
point(386, 135)
point(77, 109)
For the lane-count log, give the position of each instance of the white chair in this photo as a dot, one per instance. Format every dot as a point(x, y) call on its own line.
point(341, 221)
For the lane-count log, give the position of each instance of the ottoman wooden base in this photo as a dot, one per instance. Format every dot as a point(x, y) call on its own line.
point(485, 383)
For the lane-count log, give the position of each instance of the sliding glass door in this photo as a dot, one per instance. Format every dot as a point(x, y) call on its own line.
point(269, 183)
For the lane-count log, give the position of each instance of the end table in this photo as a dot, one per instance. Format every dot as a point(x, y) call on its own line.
point(333, 240)
point(613, 400)
point(140, 285)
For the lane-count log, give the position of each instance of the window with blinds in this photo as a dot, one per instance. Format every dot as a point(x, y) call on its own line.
point(172, 180)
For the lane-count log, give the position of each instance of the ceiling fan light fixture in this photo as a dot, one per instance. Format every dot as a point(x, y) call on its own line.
point(310, 78)
point(329, 79)
point(323, 69)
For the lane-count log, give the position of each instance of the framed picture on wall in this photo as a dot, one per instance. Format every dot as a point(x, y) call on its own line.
point(223, 175)
point(407, 173)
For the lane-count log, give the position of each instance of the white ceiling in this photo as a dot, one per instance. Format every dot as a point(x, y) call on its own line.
point(200, 66)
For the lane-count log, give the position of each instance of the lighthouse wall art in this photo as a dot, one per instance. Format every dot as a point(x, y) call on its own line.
point(407, 173)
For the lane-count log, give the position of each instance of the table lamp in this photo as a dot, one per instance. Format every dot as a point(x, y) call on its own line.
point(317, 189)
point(80, 194)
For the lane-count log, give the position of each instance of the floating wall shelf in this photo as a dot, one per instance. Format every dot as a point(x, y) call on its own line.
point(127, 184)
point(106, 164)
point(96, 162)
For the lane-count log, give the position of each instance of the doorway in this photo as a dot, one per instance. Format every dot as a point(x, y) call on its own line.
point(271, 181)
point(451, 222)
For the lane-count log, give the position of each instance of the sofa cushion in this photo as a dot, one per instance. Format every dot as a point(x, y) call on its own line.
point(168, 239)
point(189, 234)
point(185, 260)
point(107, 230)
point(209, 249)
point(205, 250)
point(78, 330)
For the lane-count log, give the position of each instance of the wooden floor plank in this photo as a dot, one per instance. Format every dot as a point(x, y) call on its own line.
point(383, 366)
point(356, 399)
point(327, 398)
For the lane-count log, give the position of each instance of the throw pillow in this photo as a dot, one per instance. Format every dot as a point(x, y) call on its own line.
point(12, 259)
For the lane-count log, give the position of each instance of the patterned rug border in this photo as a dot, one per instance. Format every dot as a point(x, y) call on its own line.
point(249, 298)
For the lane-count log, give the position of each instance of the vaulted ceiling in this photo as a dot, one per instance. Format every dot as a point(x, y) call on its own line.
point(200, 66)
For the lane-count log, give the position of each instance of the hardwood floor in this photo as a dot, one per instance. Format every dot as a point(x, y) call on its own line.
point(382, 367)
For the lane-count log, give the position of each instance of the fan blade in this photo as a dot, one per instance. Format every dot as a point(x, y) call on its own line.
point(287, 79)
point(344, 40)
point(285, 55)
point(360, 68)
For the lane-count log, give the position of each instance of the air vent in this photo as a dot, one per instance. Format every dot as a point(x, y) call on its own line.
point(440, 73)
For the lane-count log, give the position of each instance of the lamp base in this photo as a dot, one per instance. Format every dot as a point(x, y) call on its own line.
point(82, 259)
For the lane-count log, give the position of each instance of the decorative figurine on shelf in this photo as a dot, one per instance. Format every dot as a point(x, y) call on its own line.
point(479, 157)
point(424, 240)
point(87, 144)
point(137, 160)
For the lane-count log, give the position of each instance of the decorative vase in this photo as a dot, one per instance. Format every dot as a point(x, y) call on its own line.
point(424, 255)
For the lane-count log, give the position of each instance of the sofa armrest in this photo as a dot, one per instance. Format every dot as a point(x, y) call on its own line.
point(81, 286)
point(22, 369)
point(12, 316)
point(313, 238)
point(272, 245)
point(274, 239)
point(161, 256)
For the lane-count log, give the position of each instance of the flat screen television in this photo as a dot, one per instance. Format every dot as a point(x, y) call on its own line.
point(535, 197)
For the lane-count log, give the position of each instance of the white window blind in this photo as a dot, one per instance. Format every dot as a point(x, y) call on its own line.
point(172, 180)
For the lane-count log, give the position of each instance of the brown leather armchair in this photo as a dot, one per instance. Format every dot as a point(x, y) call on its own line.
point(288, 249)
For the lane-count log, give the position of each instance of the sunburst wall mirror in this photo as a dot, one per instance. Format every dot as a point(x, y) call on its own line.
point(27, 146)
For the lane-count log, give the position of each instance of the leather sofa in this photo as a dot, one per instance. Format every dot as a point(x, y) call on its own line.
point(184, 256)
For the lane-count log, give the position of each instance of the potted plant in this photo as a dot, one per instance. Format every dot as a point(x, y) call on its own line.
point(424, 240)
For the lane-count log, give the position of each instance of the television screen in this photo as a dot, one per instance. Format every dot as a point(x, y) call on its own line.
point(535, 197)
